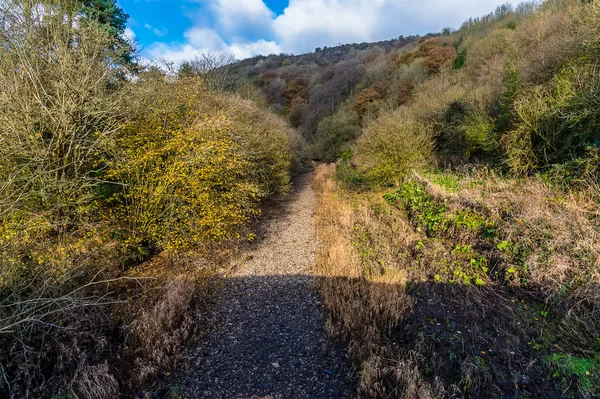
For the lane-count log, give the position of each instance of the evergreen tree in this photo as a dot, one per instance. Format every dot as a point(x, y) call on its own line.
point(114, 19)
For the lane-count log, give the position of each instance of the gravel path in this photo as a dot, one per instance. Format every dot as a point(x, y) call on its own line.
point(270, 340)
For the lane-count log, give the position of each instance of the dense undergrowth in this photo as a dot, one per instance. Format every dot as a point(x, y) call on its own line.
point(121, 190)
point(465, 218)
point(463, 285)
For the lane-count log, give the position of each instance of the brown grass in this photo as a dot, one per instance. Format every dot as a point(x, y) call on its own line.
point(94, 382)
point(562, 233)
point(167, 317)
point(361, 302)
point(565, 225)
point(415, 330)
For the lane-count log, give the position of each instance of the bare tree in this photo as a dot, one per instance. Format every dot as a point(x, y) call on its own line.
point(57, 80)
point(214, 67)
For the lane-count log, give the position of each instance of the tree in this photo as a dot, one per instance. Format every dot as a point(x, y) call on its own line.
point(213, 67)
point(107, 13)
point(112, 18)
point(58, 103)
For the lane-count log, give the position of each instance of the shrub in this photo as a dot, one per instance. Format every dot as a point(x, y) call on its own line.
point(61, 104)
point(479, 132)
point(427, 44)
point(433, 97)
point(414, 72)
point(512, 86)
point(335, 132)
point(297, 88)
point(392, 146)
point(184, 186)
point(554, 37)
point(195, 165)
point(365, 98)
point(91, 166)
point(348, 175)
point(460, 60)
point(275, 149)
point(579, 173)
point(496, 44)
point(249, 91)
point(450, 139)
point(57, 117)
point(297, 113)
point(374, 72)
point(405, 58)
point(555, 122)
point(405, 92)
point(438, 57)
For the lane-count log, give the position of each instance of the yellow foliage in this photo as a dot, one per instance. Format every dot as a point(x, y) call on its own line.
point(195, 166)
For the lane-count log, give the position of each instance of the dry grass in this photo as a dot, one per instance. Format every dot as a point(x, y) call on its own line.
point(168, 316)
point(546, 247)
point(562, 225)
point(561, 235)
point(159, 331)
point(94, 382)
point(362, 301)
point(417, 329)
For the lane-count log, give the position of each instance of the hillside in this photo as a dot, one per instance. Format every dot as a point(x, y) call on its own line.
point(308, 88)
point(465, 219)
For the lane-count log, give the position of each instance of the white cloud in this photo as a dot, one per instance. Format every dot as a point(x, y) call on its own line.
point(204, 38)
point(306, 24)
point(160, 32)
point(247, 50)
point(235, 18)
point(201, 40)
point(156, 31)
point(248, 27)
point(129, 34)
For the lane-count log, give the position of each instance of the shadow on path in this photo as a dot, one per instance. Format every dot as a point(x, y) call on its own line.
point(270, 342)
point(269, 339)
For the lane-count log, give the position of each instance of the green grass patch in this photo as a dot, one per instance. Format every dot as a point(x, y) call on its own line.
point(586, 371)
point(350, 177)
point(422, 209)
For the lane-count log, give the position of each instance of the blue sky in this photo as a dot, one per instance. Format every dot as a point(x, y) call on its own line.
point(176, 30)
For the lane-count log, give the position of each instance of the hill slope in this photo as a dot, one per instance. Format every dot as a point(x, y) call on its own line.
point(465, 220)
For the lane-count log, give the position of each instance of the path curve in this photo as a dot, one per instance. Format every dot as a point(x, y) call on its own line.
point(270, 341)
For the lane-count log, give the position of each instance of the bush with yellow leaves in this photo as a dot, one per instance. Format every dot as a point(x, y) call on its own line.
point(194, 166)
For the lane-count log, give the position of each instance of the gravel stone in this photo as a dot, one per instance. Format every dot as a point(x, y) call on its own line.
point(270, 339)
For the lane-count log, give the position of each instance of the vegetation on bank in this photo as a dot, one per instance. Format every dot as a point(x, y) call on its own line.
point(120, 190)
point(459, 229)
